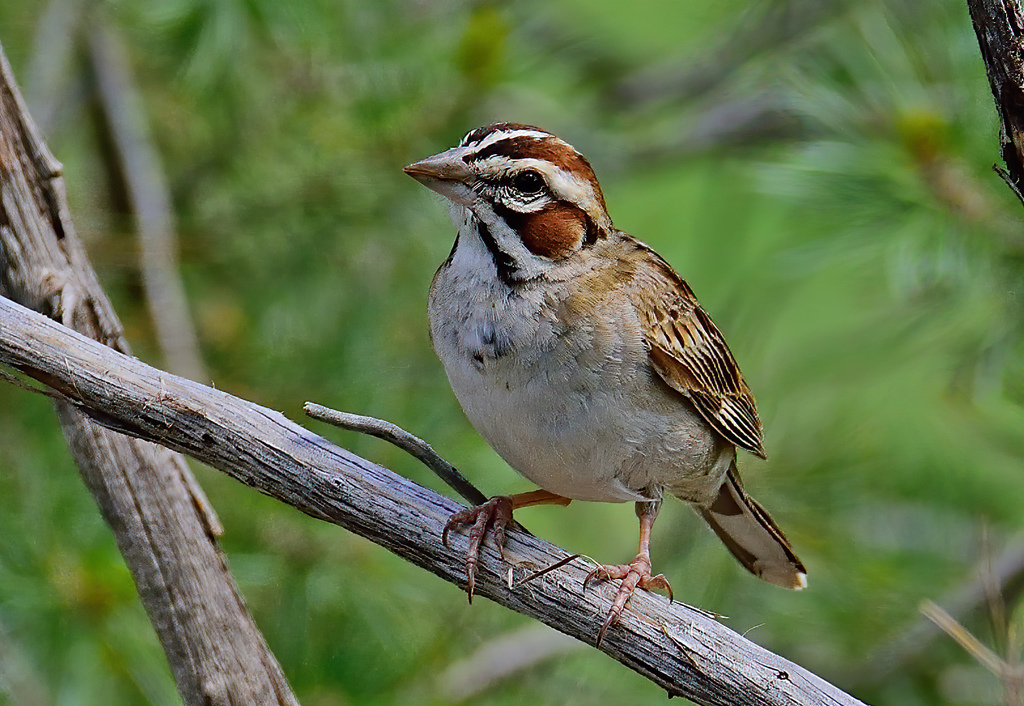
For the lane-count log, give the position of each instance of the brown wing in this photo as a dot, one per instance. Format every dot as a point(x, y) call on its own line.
point(690, 354)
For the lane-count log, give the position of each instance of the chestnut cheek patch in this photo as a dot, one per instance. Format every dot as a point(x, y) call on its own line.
point(554, 232)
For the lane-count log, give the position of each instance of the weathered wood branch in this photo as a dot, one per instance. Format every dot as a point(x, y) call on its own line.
point(147, 495)
point(679, 648)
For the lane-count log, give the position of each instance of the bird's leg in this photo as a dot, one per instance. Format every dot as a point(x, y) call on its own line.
point(635, 574)
point(495, 514)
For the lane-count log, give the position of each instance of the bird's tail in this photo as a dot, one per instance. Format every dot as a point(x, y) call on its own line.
point(751, 535)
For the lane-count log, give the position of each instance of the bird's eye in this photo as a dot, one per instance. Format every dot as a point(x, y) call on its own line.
point(528, 181)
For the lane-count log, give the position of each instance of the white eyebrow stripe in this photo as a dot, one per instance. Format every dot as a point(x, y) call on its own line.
point(499, 135)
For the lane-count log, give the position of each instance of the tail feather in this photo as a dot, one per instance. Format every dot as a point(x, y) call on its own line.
point(750, 534)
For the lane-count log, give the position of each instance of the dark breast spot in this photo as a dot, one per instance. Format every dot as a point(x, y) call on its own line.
point(484, 342)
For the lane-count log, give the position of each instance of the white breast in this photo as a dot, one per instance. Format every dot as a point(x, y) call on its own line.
point(571, 405)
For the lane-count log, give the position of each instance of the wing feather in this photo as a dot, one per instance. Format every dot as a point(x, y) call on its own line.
point(690, 354)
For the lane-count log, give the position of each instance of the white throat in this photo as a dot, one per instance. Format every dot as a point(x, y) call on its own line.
point(503, 257)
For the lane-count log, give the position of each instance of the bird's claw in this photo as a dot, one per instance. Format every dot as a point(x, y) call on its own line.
point(636, 574)
point(495, 514)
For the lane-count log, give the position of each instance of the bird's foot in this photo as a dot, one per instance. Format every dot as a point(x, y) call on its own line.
point(495, 514)
point(636, 574)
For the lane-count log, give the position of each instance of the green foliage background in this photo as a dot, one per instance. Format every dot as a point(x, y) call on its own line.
point(850, 239)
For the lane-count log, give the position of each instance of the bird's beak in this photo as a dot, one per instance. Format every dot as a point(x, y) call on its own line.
point(445, 173)
point(447, 166)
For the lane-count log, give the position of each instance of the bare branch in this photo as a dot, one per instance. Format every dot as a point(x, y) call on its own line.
point(412, 445)
point(679, 648)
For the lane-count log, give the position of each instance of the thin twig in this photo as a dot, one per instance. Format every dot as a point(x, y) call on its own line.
point(984, 656)
point(548, 569)
point(1005, 176)
point(409, 443)
point(15, 380)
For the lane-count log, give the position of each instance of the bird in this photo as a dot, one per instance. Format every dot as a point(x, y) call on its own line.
point(585, 360)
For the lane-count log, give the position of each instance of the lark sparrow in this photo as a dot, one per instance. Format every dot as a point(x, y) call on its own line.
point(583, 359)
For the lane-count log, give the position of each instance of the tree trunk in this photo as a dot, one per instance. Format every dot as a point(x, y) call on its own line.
point(147, 495)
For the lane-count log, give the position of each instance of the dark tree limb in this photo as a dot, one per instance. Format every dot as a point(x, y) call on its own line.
point(681, 649)
point(999, 25)
point(147, 495)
